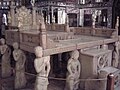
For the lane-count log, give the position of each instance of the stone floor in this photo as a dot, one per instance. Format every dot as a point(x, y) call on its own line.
point(8, 84)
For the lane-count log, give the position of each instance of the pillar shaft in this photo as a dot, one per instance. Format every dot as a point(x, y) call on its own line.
point(34, 15)
point(12, 12)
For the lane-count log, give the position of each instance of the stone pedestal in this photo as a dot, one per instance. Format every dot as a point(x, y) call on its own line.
point(94, 60)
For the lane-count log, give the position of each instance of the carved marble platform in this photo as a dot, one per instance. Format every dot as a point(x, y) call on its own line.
point(54, 38)
point(60, 41)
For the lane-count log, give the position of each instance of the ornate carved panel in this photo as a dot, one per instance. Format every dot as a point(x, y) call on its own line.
point(93, 61)
point(12, 36)
point(29, 39)
point(24, 18)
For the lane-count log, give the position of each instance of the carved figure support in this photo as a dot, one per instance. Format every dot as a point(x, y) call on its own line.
point(42, 67)
point(74, 69)
point(116, 55)
point(5, 63)
point(20, 58)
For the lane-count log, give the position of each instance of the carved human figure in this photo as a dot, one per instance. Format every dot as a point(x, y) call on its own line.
point(5, 63)
point(74, 69)
point(116, 55)
point(20, 58)
point(42, 67)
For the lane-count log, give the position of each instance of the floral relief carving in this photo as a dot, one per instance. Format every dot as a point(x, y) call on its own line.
point(102, 61)
point(24, 18)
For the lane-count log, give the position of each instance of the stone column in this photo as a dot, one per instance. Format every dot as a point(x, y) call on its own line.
point(34, 16)
point(81, 18)
point(48, 15)
point(78, 17)
point(93, 24)
point(52, 12)
point(53, 23)
point(109, 17)
point(48, 19)
point(12, 12)
point(117, 26)
point(67, 24)
point(94, 19)
point(67, 21)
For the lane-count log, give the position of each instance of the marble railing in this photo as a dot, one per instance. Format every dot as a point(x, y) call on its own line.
point(56, 27)
point(103, 32)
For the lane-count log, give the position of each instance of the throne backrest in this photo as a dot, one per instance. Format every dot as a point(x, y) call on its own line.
point(23, 18)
